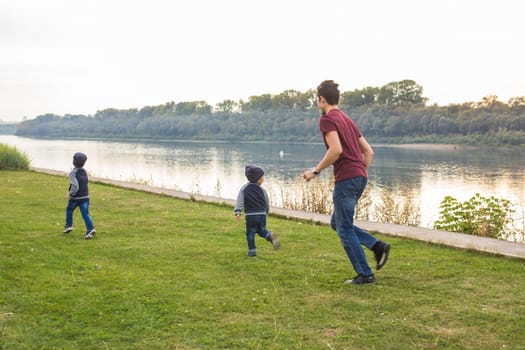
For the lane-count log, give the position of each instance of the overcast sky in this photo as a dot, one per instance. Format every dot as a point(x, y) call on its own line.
point(77, 57)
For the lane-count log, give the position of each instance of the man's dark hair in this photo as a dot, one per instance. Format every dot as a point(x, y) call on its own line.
point(329, 90)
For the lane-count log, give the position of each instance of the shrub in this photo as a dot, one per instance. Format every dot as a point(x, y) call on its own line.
point(11, 158)
point(479, 216)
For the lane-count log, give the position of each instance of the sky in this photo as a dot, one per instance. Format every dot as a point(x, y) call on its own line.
point(79, 57)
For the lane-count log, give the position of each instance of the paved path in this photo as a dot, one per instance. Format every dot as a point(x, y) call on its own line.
point(453, 239)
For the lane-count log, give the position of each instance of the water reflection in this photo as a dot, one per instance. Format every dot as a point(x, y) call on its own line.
point(217, 169)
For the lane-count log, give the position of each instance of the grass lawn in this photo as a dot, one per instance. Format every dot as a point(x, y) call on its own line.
point(164, 273)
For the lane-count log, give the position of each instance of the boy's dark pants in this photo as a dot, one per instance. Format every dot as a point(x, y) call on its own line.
point(256, 224)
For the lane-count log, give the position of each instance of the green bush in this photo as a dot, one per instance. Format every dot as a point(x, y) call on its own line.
point(479, 216)
point(11, 158)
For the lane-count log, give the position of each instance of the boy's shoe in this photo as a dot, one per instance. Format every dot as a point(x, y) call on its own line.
point(381, 251)
point(359, 279)
point(252, 254)
point(275, 241)
point(90, 234)
point(67, 229)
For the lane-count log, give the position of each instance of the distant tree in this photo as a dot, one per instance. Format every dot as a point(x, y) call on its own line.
point(401, 92)
point(359, 97)
point(146, 112)
point(227, 106)
point(394, 126)
point(202, 108)
point(517, 101)
point(285, 100)
point(189, 108)
point(48, 117)
point(292, 99)
point(260, 103)
point(486, 101)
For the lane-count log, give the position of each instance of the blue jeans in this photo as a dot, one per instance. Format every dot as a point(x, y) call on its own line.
point(83, 205)
point(346, 194)
point(256, 224)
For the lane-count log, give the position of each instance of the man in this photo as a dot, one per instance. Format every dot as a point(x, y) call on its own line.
point(351, 155)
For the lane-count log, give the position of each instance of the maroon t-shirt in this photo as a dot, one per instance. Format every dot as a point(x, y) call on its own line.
point(350, 163)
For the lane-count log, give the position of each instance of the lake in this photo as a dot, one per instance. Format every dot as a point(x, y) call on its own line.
point(217, 168)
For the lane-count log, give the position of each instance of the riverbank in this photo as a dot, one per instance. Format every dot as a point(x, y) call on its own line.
point(451, 239)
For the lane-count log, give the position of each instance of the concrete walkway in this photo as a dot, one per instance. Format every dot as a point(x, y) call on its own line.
point(453, 239)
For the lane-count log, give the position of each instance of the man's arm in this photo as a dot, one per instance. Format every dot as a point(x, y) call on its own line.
point(332, 154)
point(367, 151)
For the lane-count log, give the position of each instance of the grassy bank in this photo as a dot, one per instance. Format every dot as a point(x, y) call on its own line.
point(164, 273)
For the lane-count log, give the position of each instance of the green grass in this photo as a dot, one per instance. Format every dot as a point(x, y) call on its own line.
point(164, 273)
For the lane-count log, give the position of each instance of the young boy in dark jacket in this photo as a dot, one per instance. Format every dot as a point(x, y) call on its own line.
point(78, 196)
point(254, 199)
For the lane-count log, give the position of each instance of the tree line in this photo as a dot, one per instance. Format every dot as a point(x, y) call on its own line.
point(7, 128)
point(395, 112)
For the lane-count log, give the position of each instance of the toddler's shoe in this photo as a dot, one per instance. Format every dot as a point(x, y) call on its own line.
point(90, 234)
point(67, 229)
point(275, 241)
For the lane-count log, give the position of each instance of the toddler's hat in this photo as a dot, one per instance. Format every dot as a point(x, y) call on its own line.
point(79, 159)
point(253, 173)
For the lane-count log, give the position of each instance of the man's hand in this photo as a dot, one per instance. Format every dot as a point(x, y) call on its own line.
point(308, 175)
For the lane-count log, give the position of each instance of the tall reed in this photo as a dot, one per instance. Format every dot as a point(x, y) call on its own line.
point(397, 207)
point(376, 204)
point(314, 196)
point(11, 158)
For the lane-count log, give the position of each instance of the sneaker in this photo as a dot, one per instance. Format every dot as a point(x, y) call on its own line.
point(359, 279)
point(275, 242)
point(67, 229)
point(90, 234)
point(252, 254)
point(381, 254)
